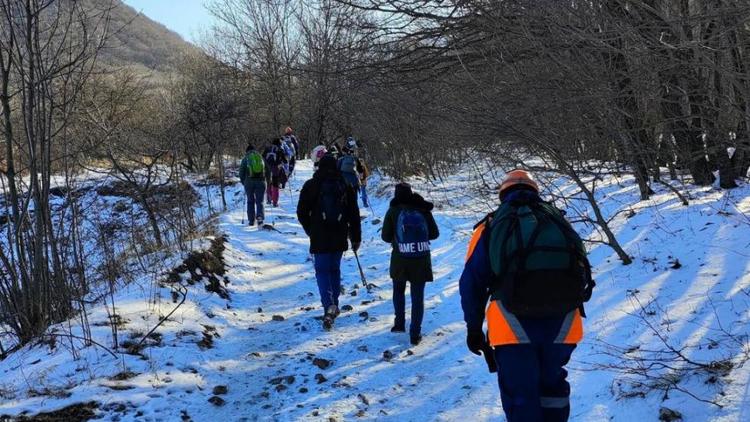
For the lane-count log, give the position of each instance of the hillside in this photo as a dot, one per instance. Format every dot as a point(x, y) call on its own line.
point(142, 43)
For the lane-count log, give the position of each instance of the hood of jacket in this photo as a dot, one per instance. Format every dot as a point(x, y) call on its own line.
point(327, 168)
point(414, 200)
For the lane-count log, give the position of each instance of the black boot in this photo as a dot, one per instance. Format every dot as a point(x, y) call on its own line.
point(415, 339)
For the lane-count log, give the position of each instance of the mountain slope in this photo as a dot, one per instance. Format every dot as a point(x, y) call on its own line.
point(142, 43)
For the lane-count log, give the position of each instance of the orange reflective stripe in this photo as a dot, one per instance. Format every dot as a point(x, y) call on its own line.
point(575, 334)
point(498, 330)
point(503, 327)
point(475, 239)
point(571, 331)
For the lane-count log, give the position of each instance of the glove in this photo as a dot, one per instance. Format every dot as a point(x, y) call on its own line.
point(476, 342)
point(355, 246)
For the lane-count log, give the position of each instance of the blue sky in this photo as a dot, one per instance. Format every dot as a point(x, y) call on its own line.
point(186, 17)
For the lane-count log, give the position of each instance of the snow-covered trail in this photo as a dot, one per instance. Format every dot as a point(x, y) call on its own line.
point(262, 354)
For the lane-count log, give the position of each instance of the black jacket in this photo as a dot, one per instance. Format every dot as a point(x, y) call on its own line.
point(322, 239)
point(405, 269)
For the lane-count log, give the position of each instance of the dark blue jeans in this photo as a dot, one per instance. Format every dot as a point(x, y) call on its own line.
point(363, 192)
point(328, 275)
point(417, 305)
point(255, 190)
point(533, 385)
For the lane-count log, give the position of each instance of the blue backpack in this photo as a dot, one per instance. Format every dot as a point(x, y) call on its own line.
point(348, 164)
point(412, 234)
point(288, 150)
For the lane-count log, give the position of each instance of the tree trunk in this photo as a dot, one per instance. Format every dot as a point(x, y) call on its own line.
point(600, 220)
point(156, 231)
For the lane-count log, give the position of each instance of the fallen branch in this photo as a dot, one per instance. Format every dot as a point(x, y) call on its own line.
point(162, 320)
point(85, 340)
point(676, 191)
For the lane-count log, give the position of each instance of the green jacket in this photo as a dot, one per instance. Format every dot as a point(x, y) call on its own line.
point(415, 270)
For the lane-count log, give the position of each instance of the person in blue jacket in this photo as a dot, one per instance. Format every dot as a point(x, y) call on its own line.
point(530, 351)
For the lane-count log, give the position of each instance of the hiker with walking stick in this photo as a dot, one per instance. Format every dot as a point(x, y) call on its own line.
point(409, 226)
point(252, 176)
point(328, 212)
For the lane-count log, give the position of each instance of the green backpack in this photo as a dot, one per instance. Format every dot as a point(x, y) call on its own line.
point(255, 165)
point(538, 261)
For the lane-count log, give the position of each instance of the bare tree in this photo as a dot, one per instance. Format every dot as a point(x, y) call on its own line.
point(47, 50)
point(262, 35)
point(122, 123)
point(214, 105)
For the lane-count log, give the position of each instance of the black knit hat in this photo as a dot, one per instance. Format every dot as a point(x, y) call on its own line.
point(403, 190)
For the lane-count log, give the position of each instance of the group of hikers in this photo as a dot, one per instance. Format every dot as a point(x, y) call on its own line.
point(266, 173)
point(526, 274)
point(349, 162)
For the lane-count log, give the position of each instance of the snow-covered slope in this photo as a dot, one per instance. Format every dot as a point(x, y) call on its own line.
point(261, 354)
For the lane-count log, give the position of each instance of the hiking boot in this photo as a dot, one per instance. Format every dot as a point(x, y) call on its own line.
point(333, 311)
point(260, 222)
point(251, 223)
point(415, 339)
point(398, 329)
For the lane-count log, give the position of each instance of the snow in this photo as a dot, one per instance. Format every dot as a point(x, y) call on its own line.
point(267, 365)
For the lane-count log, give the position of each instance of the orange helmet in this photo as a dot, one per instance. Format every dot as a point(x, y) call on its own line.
point(518, 177)
point(288, 131)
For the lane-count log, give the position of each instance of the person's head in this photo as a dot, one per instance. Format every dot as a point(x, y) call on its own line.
point(402, 191)
point(327, 164)
point(288, 131)
point(276, 141)
point(321, 152)
point(249, 148)
point(518, 180)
